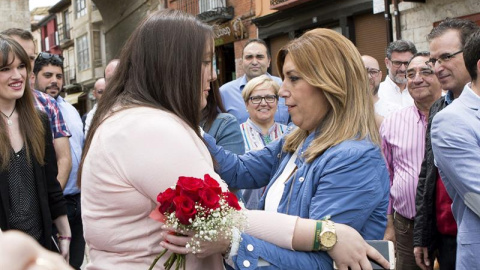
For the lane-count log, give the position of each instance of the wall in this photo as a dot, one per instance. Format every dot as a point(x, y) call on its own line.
point(416, 19)
point(14, 14)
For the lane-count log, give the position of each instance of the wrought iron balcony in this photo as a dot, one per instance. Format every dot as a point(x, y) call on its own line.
point(218, 14)
point(285, 4)
point(207, 10)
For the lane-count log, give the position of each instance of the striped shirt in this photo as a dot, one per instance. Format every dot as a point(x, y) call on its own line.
point(253, 138)
point(47, 104)
point(403, 144)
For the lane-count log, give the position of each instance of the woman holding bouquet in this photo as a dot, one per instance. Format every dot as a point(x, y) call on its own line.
point(146, 136)
point(331, 165)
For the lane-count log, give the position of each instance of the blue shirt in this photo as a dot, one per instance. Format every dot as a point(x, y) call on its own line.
point(75, 125)
point(456, 148)
point(348, 182)
point(231, 93)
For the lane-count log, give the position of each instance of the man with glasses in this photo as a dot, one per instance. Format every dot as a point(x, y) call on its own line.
point(456, 146)
point(434, 231)
point(382, 107)
point(48, 105)
point(48, 70)
point(403, 144)
point(394, 88)
point(97, 92)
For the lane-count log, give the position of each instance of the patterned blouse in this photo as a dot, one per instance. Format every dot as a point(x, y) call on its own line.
point(253, 138)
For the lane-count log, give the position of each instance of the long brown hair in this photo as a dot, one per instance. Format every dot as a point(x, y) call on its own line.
point(31, 127)
point(160, 67)
point(330, 62)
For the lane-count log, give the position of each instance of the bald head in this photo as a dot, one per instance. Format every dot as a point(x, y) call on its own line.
point(110, 69)
point(374, 73)
point(99, 88)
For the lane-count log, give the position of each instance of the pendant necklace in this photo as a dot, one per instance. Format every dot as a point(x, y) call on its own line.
point(9, 121)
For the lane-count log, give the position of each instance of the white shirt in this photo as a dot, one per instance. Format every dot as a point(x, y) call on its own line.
point(88, 121)
point(390, 92)
point(384, 108)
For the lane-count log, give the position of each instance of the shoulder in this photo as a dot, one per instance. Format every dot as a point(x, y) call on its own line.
point(235, 84)
point(352, 150)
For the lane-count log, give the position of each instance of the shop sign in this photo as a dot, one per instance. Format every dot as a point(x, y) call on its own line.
point(230, 32)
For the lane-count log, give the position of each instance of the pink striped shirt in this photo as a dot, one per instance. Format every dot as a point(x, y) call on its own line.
point(403, 143)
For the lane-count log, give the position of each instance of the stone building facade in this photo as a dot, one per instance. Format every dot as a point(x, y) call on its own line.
point(14, 14)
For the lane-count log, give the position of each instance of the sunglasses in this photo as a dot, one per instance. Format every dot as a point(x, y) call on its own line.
point(50, 57)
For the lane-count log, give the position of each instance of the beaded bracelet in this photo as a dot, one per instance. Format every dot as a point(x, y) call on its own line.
point(316, 239)
point(60, 237)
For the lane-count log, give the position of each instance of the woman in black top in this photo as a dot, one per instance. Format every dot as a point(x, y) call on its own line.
point(31, 198)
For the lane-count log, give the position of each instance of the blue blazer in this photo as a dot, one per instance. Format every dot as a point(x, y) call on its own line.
point(348, 182)
point(456, 148)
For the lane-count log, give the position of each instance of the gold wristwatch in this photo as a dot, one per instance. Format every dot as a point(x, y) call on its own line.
point(328, 236)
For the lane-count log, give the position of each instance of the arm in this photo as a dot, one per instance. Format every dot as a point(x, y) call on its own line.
point(456, 149)
point(64, 159)
point(229, 135)
point(63, 228)
point(388, 155)
point(251, 170)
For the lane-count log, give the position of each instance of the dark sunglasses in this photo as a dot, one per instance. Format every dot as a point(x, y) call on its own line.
point(50, 57)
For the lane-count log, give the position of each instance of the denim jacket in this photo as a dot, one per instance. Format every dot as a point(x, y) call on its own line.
point(349, 182)
point(226, 131)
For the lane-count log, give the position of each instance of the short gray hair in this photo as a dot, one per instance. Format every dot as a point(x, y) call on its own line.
point(400, 46)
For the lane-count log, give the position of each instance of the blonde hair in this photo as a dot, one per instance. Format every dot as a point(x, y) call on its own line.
point(264, 80)
point(330, 62)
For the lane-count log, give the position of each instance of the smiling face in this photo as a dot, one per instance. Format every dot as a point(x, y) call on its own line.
point(50, 80)
point(264, 112)
point(423, 85)
point(208, 74)
point(306, 104)
point(452, 74)
point(255, 60)
point(12, 80)
point(397, 66)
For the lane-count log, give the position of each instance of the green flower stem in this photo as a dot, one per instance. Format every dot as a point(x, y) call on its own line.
point(157, 258)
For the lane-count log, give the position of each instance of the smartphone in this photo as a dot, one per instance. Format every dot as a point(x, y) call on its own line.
point(385, 248)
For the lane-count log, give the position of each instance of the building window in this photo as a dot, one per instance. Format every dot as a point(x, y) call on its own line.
point(97, 49)
point(81, 8)
point(66, 25)
point(82, 53)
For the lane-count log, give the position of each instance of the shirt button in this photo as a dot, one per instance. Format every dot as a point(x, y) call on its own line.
point(246, 263)
point(250, 247)
point(301, 179)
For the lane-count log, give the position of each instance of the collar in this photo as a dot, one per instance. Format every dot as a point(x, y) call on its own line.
point(394, 85)
point(420, 116)
point(244, 81)
point(469, 98)
point(449, 97)
point(258, 129)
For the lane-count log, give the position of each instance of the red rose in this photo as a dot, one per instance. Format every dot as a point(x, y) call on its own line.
point(166, 201)
point(212, 183)
point(190, 186)
point(231, 200)
point(209, 198)
point(185, 209)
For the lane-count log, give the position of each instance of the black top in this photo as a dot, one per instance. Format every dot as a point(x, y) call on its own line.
point(24, 205)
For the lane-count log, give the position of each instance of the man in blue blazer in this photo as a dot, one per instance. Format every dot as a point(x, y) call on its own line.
point(456, 147)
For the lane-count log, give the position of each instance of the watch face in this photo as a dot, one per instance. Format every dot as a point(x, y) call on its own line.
point(328, 239)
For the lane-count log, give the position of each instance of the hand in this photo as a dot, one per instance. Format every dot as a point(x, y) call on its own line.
point(65, 249)
point(177, 243)
point(421, 258)
point(352, 252)
point(390, 231)
point(19, 251)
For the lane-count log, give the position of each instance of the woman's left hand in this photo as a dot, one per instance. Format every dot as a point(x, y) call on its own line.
point(177, 244)
point(65, 249)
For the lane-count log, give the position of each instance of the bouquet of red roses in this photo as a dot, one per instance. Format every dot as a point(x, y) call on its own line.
point(197, 205)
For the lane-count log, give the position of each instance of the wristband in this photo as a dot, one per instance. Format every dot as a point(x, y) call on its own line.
point(316, 238)
point(60, 237)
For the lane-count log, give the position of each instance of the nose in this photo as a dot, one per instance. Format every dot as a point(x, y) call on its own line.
point(418, 79)
point(16, 73)
point(213, 76)
point(438, 67)
point(282, 92)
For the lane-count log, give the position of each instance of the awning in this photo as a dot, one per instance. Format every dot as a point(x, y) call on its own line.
point(73, 98)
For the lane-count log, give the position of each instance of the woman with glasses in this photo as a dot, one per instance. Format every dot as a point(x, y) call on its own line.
point(30, 195)
point(261, 100)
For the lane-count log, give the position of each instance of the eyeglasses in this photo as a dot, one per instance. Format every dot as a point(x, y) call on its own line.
point(54, 59)
point(398, 64)
point(267, 98)
point(442, 58)
point(373, 72)
point(99, 91)
point(423, 73)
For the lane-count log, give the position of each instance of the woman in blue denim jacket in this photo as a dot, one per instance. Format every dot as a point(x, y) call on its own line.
point(339, 172)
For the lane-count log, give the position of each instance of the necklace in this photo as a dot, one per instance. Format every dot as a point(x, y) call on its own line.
point(9, 121)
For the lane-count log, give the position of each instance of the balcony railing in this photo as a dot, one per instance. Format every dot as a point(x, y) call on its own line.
point(285, 4)
point(207, 10)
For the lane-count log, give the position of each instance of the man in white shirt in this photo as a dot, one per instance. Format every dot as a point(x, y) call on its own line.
point(394, 88)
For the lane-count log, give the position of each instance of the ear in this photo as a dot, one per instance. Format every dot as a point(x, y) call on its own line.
point(387, 62)
point(478, 67)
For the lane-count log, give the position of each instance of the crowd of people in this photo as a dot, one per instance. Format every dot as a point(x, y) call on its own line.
point(327, 149)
